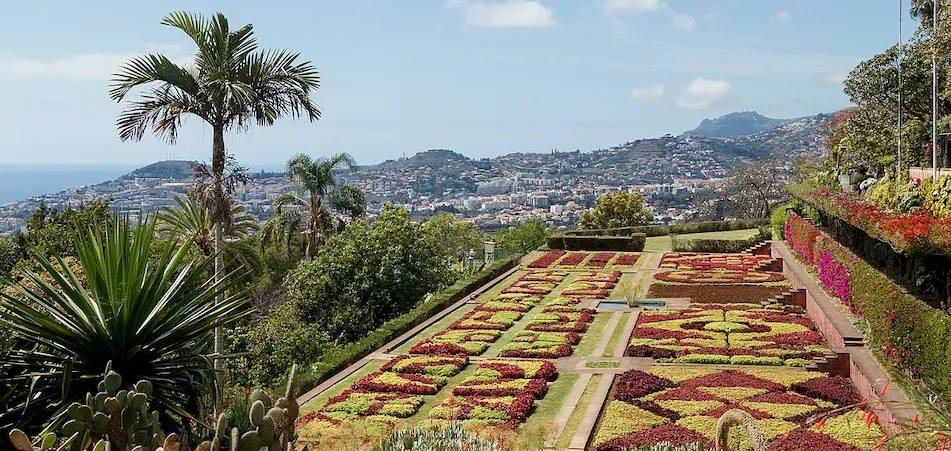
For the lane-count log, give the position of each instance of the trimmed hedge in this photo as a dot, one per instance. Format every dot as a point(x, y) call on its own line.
point(914, 336)
point(720, 246)
point(633, 243)
point(353, 352)
point(662, 230)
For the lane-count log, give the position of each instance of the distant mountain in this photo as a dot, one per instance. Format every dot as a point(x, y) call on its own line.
point(733, 125)
point(169, 169)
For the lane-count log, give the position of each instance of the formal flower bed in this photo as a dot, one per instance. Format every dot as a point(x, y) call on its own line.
point(516, 369)
point(536, 350)
point(540, 288)
point(489, 410)
point(599, 276)
point(571, 260)
point(478, 386)
point(681, 405)
point(486, 320)
point(599, 260)
point(504, 306)
point(389, 382)
point(626, 260)
point(553, 319)
point(912, 233)
point(435, 366)
point(530, 336)
point(551, 275)
point(739, 334)
point(718, 276)
point(700, 261)
point(353, 404)
point(546, 259)
point(457, 343)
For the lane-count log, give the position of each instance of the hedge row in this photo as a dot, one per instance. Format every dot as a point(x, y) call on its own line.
point(914, 336)
point(389, 331)
point(633, 243)
point(662, 230)
point(719, 246)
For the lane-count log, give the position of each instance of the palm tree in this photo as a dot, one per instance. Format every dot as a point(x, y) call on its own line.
point(145, 305)
point(317, 192)
point(230, 85)
point(190, 220)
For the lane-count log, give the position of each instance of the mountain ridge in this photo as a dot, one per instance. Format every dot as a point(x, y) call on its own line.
point(736, 124)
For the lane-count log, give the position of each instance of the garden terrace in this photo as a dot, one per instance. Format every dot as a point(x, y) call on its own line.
point(585, 260)
point(531, 354)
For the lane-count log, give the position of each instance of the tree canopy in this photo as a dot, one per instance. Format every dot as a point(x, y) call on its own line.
point(613, 210)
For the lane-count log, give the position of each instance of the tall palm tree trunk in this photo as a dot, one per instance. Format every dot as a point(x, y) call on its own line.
point(218, 200)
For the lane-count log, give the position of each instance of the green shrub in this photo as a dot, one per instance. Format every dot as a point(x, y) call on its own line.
point(720, 246)
point(339, 358)
point(883, 193)
point(937, 196)
point(777, 220)
point(663, 230)
point(633, 243)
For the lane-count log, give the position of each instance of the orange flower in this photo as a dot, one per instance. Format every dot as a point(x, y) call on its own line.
point(821, 424)
point(884, 388)
point(466, 446)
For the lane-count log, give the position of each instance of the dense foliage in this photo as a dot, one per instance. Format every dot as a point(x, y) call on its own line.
point(51, 231)
point(148, 310)
point(620, 209)
point(911, 334)
point(522, 239)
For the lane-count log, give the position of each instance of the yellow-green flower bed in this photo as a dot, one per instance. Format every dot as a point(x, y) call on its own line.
point(681, 405)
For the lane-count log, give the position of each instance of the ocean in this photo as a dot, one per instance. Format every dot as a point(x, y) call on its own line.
point(20, 181)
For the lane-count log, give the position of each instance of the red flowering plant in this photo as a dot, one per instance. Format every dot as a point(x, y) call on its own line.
point(571, 260)
point(517, 369)
point(599, 260)
point(438, 366)
point(681, 405)
point(537, 350)
point(626, 259)
point(502, 410)
point(475, 386)
point(546, 259)
point(718, 276)
point(599, 276)
point(385, 382)
point(486, 320)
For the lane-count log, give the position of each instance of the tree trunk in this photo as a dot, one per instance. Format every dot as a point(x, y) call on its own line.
point(217, 202)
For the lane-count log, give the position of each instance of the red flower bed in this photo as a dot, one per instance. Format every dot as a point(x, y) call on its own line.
point(835, 389)
point(687, 394)
point(649, 352)
point(573, 259)
point(805, 440)
point(413, 384)
point(554, 276)
point(315, 416)
point(587, 294)
point(669, 433)
point(547, 259)
point(797, 339)
point(627, 260)
point(599, 260)
point(472, 407)
point(703, 261)
point(635, 384)
point(446, 349)
point(547, 370)
point(663, 334)
point(419, 365)
point(534, 387)
point(656, 410)
point(599, 276)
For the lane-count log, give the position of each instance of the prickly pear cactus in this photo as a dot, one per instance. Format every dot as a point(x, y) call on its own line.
point(272, 424)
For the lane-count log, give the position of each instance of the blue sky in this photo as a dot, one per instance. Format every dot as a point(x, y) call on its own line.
point(483, 77)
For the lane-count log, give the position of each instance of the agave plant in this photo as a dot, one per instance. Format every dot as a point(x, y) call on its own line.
point(148, 306)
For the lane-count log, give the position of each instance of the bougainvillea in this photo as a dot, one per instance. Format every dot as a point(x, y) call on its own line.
point(681, 405)
point(718, 276)
point(801, 236)
point(700, 261)
point(740, 334)
point(427, 366)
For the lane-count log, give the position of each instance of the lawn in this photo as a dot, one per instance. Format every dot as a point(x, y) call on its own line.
point(540, 424)
point(662, 243)
point(590, 339)
point(616, 335)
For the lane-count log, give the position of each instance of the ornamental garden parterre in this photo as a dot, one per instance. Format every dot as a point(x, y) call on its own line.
point(507, 361)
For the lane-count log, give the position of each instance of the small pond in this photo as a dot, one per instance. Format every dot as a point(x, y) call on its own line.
point(613, 305)
point(652, 304)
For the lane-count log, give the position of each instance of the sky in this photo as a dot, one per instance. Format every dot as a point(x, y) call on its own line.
point(482, 77)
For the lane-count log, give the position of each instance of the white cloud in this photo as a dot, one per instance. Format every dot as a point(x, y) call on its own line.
point(684, 21)
point(783, 16)
point(702, 93)
point(611, 7)
point(506, 13)
point(79, 66)
point(652, 92)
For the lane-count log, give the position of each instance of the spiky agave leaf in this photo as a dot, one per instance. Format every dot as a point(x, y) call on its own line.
point(145, 305)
